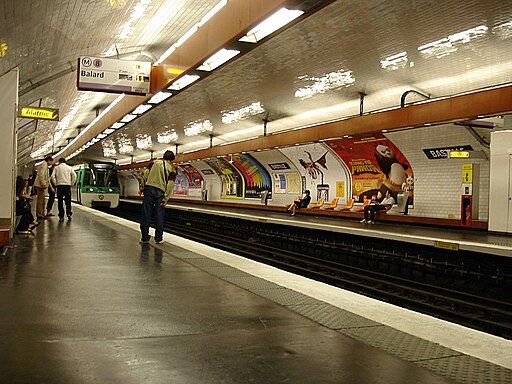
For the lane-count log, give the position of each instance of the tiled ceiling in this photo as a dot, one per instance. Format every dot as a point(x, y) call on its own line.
point(379, 48)
point(44, 38)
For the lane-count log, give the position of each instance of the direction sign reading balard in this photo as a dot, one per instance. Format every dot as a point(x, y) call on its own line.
point(113, 75)
point(85, 73)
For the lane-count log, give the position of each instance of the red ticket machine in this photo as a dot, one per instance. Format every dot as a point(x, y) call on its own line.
point(469, 195)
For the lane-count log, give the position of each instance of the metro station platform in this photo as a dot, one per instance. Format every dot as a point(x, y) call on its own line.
point(83, 302)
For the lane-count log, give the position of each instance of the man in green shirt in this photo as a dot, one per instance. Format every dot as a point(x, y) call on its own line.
point(159, 182)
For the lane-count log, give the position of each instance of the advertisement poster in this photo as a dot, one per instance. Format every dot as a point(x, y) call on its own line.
point(232, 184)
point(194, 178)
point(180, 183)
point(293, 180)
point(279, 183)
point(320, 167)
point(376, 166)
point(256, 177)
point(340, 189)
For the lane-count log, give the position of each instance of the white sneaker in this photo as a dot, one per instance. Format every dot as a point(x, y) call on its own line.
point(159, 241)
point(363, 221)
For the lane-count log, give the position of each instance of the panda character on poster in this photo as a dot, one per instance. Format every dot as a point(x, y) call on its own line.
point(393, 170)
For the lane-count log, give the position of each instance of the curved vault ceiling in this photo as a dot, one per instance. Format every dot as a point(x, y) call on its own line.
point(380, 48)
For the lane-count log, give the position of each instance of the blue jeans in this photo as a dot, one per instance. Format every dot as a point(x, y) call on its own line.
point(151, 205)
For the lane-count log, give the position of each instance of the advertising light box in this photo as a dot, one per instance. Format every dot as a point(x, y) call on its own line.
point(113, 75)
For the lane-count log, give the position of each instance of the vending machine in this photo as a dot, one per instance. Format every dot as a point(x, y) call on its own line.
point(469, 195)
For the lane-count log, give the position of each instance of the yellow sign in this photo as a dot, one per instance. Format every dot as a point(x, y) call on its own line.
point(446, 245)
point(459, 154)
point(467, 173)
point(40, 113)
point(340, 189)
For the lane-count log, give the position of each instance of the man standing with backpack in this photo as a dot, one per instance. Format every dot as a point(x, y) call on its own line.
point(159, 182)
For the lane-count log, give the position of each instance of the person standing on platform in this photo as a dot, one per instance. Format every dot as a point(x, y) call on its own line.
point(52, 189)
point(64, 177)
point(159, 182)
point(42, 182)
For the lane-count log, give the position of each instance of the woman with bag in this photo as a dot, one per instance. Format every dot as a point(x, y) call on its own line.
point(23, 208)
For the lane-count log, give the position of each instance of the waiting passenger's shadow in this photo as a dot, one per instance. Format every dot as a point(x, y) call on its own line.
point(158, 255)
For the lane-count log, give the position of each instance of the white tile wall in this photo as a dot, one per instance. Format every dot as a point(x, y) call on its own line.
point(438, 182)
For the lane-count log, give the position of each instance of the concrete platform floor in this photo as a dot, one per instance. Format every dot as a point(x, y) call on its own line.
point(83, 302)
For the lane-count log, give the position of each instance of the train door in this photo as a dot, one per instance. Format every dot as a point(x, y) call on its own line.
point(509, 230)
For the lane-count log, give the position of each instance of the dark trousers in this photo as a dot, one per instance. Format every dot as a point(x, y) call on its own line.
point(64, 197)
point(370, 210)
point(151, 206)
point(51, 200)
point(26, 219)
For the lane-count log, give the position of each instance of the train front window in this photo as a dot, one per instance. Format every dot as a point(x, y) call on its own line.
point(101, 177)
point(105, 178)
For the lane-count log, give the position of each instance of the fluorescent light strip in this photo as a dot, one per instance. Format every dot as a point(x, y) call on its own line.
point(117, 125)
point(159, 97)
point(141, 109)
point(218, 59)
point(271, 24)
point(183, 82)
point(190, 32)
point(91, 124)
point(127, 118)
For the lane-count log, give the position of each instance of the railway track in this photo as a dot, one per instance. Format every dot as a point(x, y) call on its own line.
point(487, 314)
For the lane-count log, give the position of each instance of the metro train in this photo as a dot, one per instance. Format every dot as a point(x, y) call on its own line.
point(97, 185)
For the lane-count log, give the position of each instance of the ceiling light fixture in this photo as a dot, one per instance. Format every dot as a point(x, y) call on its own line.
point(141, 109)
point(183, 82)
point(218, 59)
point(127, 118)
point(271, 24)
point(159, 97)
point(91, 124)
point(191, 31)
point(117, 125)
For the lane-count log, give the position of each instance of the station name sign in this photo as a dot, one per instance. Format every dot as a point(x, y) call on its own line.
point(39, 113)
point(278, 166)
point(113, 75)
point(444, 153)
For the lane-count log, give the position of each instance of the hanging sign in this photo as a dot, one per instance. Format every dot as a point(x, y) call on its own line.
point(39, 113)
point(113, 75)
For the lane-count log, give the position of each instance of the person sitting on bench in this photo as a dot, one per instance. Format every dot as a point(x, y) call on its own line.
point(300, 203)
point(385, 205)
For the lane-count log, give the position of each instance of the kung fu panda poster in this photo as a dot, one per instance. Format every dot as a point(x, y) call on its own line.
point(377, 166)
